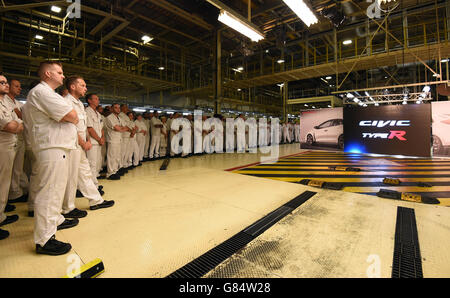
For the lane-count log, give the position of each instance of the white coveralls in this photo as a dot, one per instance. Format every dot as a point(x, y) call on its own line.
point(133, 149)
point(94, 120)
point(19, 181)
point(79, 169)
point(156, 138)
point(125, 145)
point(114, 139)
point(51, 142)
point(147, 138)
point(140, 137)
point(8, 145)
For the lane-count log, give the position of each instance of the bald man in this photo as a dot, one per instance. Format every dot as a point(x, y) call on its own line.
point(52, 123)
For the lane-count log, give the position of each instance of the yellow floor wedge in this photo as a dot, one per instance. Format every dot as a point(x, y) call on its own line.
point(89, 270)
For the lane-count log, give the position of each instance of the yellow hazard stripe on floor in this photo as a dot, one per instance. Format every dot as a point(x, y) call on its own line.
point(342, 173)
point(396, 188)
point(362, 167)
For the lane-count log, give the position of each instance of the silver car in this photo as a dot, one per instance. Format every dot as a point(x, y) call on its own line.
point(328, 132)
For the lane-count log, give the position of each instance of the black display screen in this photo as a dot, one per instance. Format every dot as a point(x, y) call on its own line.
point(393, 129)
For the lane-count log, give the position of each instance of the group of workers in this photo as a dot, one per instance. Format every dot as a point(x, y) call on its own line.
point(53, 148)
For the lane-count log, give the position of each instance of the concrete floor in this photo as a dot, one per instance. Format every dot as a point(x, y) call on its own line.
point(165, 219)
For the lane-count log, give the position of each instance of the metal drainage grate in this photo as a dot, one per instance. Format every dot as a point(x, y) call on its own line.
point(407, 261)
point(211, 259)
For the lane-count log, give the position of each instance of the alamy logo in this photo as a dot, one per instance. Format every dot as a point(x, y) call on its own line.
point(374, 10)
point(74, 9)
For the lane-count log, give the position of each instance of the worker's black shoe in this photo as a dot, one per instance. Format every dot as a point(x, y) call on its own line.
point(101, 192)
point(9, 220)
point(9, 208)
point(53, 247)
point(114, 177)
point(68, 223)
point(21, 199)
point(101, 177)
point(75, 213)
point(105, 204)
point(3, 234)
point(79, 194)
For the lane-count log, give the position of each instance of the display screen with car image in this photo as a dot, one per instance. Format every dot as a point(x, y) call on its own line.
point(441, 128)
point(322, 129)
point(391, 129)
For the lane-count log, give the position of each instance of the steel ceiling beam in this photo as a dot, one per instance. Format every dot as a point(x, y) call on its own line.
point(182, 13)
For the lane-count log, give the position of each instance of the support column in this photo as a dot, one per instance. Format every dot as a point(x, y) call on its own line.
point(405, 29)
point(218, 76)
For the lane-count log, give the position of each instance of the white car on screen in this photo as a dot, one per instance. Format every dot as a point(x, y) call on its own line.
point(441, 133)
point(328, 132)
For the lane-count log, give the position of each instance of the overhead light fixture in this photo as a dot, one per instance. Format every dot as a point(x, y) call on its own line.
point(349, 95)
point(418, 102)
point(347, 42)
point(240, 68)
point(426, 89)
point(39, 37)
point(377, 104)
point(355, 99)
point(161, 68)
point(302, 11)
point(444, 60)
point(329, 106)
point(280, 85)
point(56, 9)
point(139, 110)
point(240, 26)
point(404, 102)
point(328, 78)
point(280, 61)
point(146, 39)
point(436, 75)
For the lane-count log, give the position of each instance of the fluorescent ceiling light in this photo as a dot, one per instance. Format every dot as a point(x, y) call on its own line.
point(355, 99)
point(161, 68)
point(280, 61)
point(139, 110)
point(56, 9)
point(39, 36)
point(349, 95)
point(240, 26)
point(239, 90)
point(435, 75)
point(302, 11)
point(328, 78)
point(444, 60)
point(280, 85)
point(146, 39)
point(348, 41)
point(426, 89)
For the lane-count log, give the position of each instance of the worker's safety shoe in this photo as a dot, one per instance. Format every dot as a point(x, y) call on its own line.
point(105, 204)
point(53, 247)
point(3, 234)
point(68, 223)
point(75, 213)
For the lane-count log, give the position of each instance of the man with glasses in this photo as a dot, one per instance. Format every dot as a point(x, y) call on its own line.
point(10, 126)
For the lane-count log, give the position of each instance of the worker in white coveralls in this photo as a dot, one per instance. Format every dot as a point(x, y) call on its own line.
point(52, 135)
point(10, 127)
point(79, 169)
